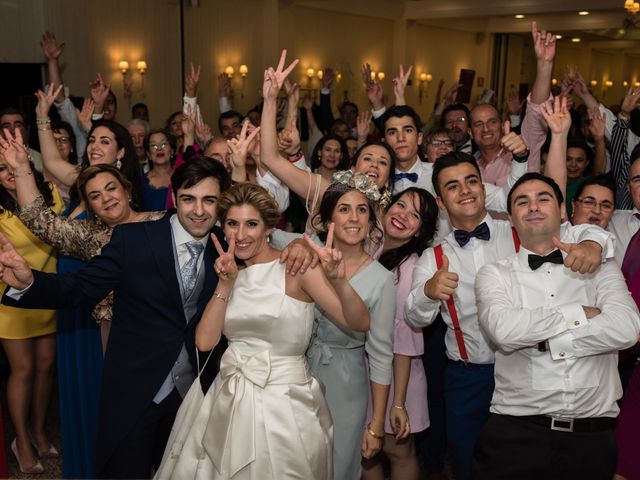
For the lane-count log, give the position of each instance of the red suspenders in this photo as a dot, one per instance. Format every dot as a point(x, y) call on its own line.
point(451, 306)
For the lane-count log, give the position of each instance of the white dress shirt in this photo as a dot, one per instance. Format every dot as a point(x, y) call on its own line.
point(624, 225)
point(495, 197)
point(578, 377)
point(466, 261)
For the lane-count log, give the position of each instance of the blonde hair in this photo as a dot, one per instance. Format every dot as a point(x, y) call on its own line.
point(249, 194)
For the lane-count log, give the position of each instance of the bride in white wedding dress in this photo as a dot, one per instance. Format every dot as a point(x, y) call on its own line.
point(265, 416)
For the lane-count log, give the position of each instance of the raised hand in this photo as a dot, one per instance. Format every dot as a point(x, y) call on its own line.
point(557, 115)
point(203, 133)
point(327, 77)
point(50, 46)
point(225, 265)
point(365, 71)
point(14, 270)
point(443, 283)
point(191, 81)
point(14, 151)
point(84, 115)
point(597, 122)
point(242, 145)
point(583, 257)
point(544, 44)
point(274, 79)
point(513, 142)
point(99, 92)
point(45, 100)
point(579, 84)
point(448, 98)
point(293, 91)
point(400, 84)
point(375, 94)
point(630, 101)
point(307, 101)
point(363, 123)
point(330, 258)
point(224, 86)
point(290, 138)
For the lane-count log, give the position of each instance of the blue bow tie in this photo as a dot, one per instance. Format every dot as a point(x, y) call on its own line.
point(481, 232)
point(412, 177)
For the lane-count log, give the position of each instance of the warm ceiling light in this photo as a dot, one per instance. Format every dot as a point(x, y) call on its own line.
point(576, 39)
point(583, 13)
point(519, 15)
point(558, 37)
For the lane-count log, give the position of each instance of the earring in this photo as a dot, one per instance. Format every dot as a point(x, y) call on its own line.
point(118, 164)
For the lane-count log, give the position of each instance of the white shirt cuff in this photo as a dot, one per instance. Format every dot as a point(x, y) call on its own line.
point(16, 294)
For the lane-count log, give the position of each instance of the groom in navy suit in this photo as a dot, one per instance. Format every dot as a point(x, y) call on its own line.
point(162, 277)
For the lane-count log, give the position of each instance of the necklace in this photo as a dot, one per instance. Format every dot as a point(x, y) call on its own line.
point(360, 265)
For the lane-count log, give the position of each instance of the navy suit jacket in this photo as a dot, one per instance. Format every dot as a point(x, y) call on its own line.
point(148, 328)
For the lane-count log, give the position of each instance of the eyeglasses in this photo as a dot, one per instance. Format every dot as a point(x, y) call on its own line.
point(62, 140)
point(591, 203)
point(455, 121)
point(158, 146)
point(441, 143)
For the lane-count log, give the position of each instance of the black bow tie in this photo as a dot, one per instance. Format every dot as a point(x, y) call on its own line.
point(536, 261)
point(412, 177)
point(481, 232)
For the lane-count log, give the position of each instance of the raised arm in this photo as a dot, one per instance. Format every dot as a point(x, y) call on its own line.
point(301, 182)
point(331, 290)
point(559, 121)
point(544, 44)
point(597, 122)
point(62, 171)
point(52, 51)
point(400, 84)
point(209, 329)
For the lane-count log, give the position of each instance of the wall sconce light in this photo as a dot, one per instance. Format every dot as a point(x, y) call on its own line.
point(310, 74)
point(554, 81)
point(594, 83)
point(636, 84)
point(625, 84)
point(320, 73)
point(381, 76)
point(127, 81)
point(373, 75)
point(243, 71)
point(608, 84)
point(425, 81)
point(229, 71)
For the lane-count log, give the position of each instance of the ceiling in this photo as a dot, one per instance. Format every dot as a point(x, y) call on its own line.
point(604, 24)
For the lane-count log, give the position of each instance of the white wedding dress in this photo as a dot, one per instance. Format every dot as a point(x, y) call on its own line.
point(264, 416)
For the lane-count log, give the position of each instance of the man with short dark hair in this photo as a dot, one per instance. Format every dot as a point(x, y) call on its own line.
point(456, 118)
point(557, 334)
point(443, 281)
point(230, 124)
point(162, 277)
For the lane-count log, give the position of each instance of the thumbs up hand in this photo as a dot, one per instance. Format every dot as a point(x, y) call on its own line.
point(583, 257)
point(512, 142)
point(443, 283)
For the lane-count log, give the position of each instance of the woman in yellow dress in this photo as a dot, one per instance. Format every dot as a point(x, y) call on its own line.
point(28, 336)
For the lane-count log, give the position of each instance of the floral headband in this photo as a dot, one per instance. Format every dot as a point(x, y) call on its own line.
point(364, 185)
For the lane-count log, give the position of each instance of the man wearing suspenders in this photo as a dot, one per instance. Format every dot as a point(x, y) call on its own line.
point(443, 280)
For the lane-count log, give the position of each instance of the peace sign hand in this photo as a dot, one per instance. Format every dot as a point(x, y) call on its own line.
point(330, 258)
point(225, 265)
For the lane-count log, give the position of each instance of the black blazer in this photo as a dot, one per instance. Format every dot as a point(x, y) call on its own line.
point(148, 327)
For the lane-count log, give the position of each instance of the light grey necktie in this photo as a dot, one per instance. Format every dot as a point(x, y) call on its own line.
point(189, 270)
